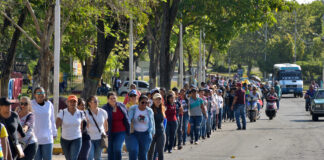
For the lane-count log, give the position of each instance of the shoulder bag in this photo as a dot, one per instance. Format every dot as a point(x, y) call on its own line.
point(104, 138)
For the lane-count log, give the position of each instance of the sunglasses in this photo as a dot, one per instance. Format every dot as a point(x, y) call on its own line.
point(40, 93)
point(23, 103)
point(144, 102)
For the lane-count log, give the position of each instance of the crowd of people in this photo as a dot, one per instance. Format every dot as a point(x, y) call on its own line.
point(149, 124)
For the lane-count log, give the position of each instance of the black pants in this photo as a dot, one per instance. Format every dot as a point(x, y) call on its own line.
point(30, 152)
point(179, 130)
point(85, 149)
point(157, 145)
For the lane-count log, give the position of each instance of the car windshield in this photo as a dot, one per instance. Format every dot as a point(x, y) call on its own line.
point(290, 75)
point(320, 95)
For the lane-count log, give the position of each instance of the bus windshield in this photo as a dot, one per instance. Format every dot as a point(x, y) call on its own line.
point(289, 75)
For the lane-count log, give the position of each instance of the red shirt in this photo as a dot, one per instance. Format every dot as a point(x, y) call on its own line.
point(117, 121)
point(240, 94)
point(171, 112)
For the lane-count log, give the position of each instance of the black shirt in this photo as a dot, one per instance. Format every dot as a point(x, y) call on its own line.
point(13, 126)
point(158, 119)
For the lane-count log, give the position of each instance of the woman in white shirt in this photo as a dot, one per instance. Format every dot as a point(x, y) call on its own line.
point(70, 120)
point(99, 116)
point(44, 128)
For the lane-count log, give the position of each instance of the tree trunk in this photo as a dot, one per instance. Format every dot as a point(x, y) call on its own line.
point(104, 46)
point(168, 17)
point(7, 66)
point(249, 69)
point(209, 54)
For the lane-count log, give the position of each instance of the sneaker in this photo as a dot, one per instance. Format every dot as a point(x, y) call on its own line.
point(238, 129)
point(203, 137)
point(179, 147)
point(244, 128)
point(196, 143)
point(191, 142)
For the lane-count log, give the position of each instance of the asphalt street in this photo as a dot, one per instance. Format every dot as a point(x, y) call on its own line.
point(292, 135)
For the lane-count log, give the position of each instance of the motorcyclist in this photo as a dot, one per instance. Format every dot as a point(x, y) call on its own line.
point(309, 94)
point(264, 91)
point(255, 96)
point(272, 93)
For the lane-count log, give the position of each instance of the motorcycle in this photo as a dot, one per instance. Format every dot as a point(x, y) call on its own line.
point(308, 102)
point(271, 108)
point(252, 110)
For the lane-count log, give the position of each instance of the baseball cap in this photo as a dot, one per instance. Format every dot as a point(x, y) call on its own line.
point(132, 93)
point(155, 90)
point(5, 101)
point(157, 95)
point(220, 91)
point(72, 97)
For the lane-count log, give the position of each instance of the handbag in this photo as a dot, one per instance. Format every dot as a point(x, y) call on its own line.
point(104, 138)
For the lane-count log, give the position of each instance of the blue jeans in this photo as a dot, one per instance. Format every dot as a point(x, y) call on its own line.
point(95, 150)
point(214, 121)
point(138, 144)
point(115, 146)
point(195, 122)
point(203, 127)
point(179, 130)
point(170, 134)
point(226, 112)
point(240, 111)
point(278, 103)
point(71, 148)
point(209, 122)
point(44, 152)
point(220, 118)
point(185, 126)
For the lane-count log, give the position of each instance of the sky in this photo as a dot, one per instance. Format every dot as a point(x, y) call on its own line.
point(304, 1)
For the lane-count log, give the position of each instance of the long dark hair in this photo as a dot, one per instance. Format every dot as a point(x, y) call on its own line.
point(88, 101)
point(167, 99)
point(161, 108)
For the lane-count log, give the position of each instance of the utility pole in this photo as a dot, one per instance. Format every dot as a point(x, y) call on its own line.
point(57, 47)
point(204, 63)
point(295, 48)
point(265, 50)
point(131, 57)
point(200, 61)
point(181, 58)
point(323, 59)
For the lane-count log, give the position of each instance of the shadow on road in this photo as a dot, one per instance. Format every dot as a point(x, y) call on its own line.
point(306, 120)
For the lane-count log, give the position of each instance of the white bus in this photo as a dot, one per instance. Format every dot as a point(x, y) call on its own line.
point(289, 77)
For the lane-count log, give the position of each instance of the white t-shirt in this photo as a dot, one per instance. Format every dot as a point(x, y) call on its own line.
point(141, 120)
point(44, 127)
point(220, 101)
point(71, 124)
point(100, 118)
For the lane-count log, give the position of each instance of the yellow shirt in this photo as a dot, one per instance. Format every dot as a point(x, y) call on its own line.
point(3, 134)
point(129, 104)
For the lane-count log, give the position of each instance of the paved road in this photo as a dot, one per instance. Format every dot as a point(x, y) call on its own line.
point(291, 135)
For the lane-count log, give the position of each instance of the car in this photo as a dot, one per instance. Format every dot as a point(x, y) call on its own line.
point(317, 105)
point(142, 86)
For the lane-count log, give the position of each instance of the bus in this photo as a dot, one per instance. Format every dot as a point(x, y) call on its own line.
point(289, 77)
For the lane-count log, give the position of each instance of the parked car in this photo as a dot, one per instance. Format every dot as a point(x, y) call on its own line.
point(317, 105)
point(142, 86)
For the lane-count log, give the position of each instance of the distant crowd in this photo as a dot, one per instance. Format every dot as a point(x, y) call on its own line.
point(149, 124)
